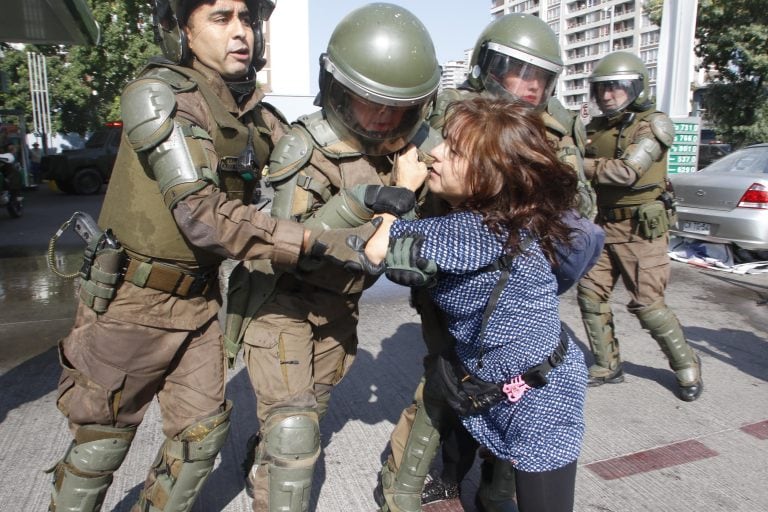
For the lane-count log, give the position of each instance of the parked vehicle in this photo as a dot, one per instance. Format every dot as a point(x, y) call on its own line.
point(727, 201)
point(708, 153)
point(10, 195)
point(84, 171)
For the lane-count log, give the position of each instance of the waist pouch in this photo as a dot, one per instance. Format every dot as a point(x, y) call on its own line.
point(467, 394)
point(652, 220)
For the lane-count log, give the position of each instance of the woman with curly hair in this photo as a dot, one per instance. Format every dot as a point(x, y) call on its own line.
point(524, 379)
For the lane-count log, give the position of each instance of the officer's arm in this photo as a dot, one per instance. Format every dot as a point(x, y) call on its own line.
point(180, 156)
point(649, 145)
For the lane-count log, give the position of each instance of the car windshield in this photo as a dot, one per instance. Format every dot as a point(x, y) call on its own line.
point(745, 161)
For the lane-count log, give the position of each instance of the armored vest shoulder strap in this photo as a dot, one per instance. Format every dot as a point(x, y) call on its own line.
point(559, 119)
point(171, 76)
point(447, 96)
point(324, 138)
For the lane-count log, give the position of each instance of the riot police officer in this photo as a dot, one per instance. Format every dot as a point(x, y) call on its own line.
point(517, 56)
point(335, 168)
point(629, 140)
point(179, 202)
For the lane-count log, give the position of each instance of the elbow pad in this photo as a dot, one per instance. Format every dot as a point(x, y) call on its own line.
point(642, 154)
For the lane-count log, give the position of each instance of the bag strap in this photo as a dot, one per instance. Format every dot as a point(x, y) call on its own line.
point(502, 263)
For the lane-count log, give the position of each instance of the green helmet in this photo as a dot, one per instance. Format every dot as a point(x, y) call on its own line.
point(517, 56)
point(168, 16)
point(378, 78)
point(618, 71)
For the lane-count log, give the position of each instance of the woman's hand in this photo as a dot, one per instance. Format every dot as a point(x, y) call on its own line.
point(376, 248)
point(409, 171)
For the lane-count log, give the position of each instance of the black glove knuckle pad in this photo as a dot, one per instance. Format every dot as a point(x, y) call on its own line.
point(395, 200)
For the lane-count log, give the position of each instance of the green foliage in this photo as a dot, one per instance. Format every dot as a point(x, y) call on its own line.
point(85, 82)
point(733, 40)
point(654, 9)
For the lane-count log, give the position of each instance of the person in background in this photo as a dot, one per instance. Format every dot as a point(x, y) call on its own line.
point(35, 157)
point(335, 168)
point(517, 58)
point(627, 163)
point(196, 135)
point(508, 191)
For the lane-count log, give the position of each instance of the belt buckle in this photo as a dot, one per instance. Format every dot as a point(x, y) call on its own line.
point(200, 284)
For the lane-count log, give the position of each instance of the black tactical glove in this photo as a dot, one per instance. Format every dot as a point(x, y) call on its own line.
point(357, 244)
point(404, 264)
point(395, 200)
point(331, 245)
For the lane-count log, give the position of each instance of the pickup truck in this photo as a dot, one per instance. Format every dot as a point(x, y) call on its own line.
point(84, 171)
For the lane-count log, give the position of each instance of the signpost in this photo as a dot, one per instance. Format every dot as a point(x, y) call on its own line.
point(684, 153)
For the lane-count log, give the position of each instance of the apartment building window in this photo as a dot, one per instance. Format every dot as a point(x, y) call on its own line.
point(650, 38)
point(652, 73)
point(649, 55)
point(553, 13)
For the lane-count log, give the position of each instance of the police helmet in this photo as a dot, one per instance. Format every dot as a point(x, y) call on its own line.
point(517, 56)
point(378, 78)
point(169, 16)
point(619, 81)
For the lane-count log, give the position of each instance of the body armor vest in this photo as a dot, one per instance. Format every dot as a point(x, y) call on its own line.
point(332, 166)
point(611, 140)
point(133, 206)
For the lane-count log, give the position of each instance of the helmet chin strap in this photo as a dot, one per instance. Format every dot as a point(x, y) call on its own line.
point(241, 89)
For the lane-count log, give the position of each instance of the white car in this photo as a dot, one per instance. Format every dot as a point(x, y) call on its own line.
point(727, 201)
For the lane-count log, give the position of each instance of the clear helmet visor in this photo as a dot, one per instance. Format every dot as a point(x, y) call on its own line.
point(608, 96)
point(371, 127)
point(510, 77)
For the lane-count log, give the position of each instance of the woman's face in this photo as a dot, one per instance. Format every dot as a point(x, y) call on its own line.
point(448, 175)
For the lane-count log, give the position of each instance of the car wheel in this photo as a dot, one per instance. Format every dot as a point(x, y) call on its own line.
point(87, 182)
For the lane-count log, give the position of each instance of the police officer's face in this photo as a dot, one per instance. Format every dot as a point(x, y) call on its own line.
point(373, 117)
point(529, 86)
point(611, 96)
point(221, 37)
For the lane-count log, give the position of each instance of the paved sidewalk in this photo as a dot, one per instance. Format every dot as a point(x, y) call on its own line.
point(645, 450)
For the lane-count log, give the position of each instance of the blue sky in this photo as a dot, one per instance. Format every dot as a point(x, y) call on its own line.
point(453, 24)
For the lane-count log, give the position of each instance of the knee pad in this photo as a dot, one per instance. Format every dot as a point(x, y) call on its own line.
point(184, 463)
point(81, 478)
point(590, 302)
point(289, 445)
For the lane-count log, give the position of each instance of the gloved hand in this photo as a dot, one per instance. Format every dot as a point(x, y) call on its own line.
point(357, 244)
point(395, 200)
point(404, 264)
point(331, 245)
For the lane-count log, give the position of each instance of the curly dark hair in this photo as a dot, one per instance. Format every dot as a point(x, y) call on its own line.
point(514, 174)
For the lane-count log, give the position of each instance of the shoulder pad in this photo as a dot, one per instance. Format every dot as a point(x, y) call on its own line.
point(291, 153)
point(177, 81)
point(147, 106)
point(445, 98)
point(579, 133)
point(324, 138)
point(275, 111)
point(559, 119)
point(662, 128)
